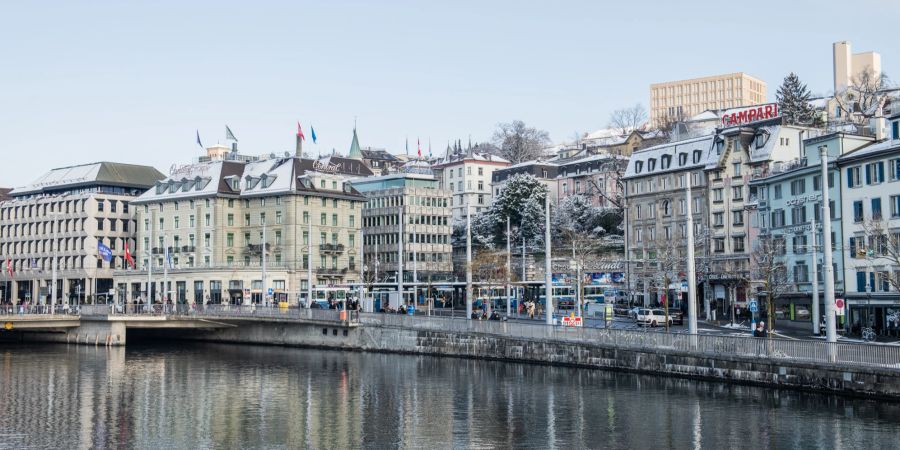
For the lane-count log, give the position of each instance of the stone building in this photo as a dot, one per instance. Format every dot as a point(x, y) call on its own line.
point(59, 220)
point(544, 171)
point(467, 176)
point(656, 208)
point(597, 177)
point(219, 220)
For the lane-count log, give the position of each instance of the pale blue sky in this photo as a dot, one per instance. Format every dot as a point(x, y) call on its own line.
point(90, 81)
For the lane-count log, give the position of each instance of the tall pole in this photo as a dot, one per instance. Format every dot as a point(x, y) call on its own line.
point(149, 263)
point(692, 272)
point(815, 278)
point(376, 259)
point(165, 273)
point(508, 266)
point(548, 275)
point(53, 266)
point(827, 268)
point(309, 276)
point(262, 248)
point(415, 269)
point(626, 235)
point(400, 255)
point(362, 270)
point(469, 292)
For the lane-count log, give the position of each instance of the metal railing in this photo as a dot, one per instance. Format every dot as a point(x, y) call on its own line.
point(715, 345)
point(219, 311)
point(31, 310)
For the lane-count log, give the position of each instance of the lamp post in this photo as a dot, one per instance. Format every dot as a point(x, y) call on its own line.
point(548, 276)
point(692, 275)
point(827, 268)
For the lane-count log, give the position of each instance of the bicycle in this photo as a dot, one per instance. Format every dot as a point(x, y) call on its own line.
point(868, 334)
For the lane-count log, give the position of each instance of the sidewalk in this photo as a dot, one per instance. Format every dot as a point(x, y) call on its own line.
point(801, 330)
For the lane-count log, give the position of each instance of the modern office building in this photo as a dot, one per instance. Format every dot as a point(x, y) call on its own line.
point(59, 220)
point(870, 212)
point(229, 231)
point(415, 198)
point(678, 100)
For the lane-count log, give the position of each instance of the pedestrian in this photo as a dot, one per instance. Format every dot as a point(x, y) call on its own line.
point(762, 330)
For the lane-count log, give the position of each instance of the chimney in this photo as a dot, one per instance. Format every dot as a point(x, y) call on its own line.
point(877, 125)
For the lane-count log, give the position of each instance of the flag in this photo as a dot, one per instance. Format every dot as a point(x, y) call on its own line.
point(229, 134)
point(9, 267)
point(312, 132)
point(419, 146)
point(300, 132)
point(104, 252)
point(169, 258)
point(128, 258)
point(198, 139)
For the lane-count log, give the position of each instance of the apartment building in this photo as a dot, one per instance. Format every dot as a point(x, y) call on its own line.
point(212, 225)
point(678, 100)
point(656, 223)
point(424, 208)
point(59, 220)
point(545, 171)
point(467, 176)
point(598, 177)
point(870, 210)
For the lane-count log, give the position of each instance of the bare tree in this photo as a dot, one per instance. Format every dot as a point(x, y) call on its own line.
point(627, 120)
point(489, 269)
point(518, 142)
point(881, 252)
point(769, 272)
point(864, 97)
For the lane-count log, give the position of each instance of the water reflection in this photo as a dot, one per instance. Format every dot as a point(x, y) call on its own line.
point(207, 395)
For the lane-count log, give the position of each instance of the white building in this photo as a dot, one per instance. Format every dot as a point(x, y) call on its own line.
point(468, 178)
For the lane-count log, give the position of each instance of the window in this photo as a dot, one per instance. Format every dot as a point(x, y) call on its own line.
point(798, 187)
point(737, 244)
point(323, 219)
point(858, 211)
point(778, 218)
point(737, 192)
point(480, 171)
point(278, 218)
point(876, 208)
point(895, 130)
point(667, 208)
point(799, 244)
point(306, 217)
point(777, 193)
point(334, 220)
point(717, 195)
point(719, 245)
point(206, 219)
point(895, 165)
point(853, 177)
point(737, 169)
point(737, 217)
point(875, 172)
point(718, 219)
point(798, 215)
point(895, 204)
point(801, 272)
point(229, 240)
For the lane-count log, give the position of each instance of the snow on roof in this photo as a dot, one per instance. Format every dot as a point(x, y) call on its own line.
point(194, 180)
point(871, 150)
point(649, 161)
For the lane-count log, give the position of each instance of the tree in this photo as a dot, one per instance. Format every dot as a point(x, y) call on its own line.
point(883, 252)
point(627, 120)
point(489, 270)
point(769, 270)
point(518, 142)
point(864, 98)
point(522, 200)
point(793, 102)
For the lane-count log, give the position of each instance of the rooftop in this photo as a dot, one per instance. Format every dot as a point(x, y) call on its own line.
point(98, 173)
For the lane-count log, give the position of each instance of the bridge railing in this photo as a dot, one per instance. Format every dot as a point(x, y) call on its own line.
point(717, 345)
point(267, 312)
point(22, 310)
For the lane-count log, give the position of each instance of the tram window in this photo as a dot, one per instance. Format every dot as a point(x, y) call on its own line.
point(334, 331)
point(325, 331)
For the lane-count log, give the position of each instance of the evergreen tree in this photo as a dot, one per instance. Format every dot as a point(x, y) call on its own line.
point(522, 200)
point(793, 101)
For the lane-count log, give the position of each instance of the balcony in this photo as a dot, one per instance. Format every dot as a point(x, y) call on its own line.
point(330, 272)
point(255, 249)
point(331, 248)
point(188, 249)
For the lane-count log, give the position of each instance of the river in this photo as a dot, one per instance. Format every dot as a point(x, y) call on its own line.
point(187, 395)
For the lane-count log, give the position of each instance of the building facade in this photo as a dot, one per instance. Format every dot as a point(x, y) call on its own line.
point(656, 222)
point(427, 225)
point(870, 211)
point(59, 220)
point(216, 228)
point(788, 197)
point(738, 154)
point(848, 65)
point(597, 177)
point(545, 171)
point(676, 100)
point(467, 176)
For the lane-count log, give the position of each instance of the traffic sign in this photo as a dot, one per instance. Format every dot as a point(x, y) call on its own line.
point(271, 291)
point(839, 306)
point(754, 306)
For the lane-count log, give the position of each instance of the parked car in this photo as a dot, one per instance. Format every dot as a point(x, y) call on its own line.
point(633, 312)
point(676, 315)
point(801, 313)
point(651, 317)
point(621, 309)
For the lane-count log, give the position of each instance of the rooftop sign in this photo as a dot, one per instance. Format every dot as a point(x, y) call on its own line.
point(743, 116)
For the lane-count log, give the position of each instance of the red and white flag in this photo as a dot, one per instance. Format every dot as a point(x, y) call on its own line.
point(419, 146)
point(9, 267)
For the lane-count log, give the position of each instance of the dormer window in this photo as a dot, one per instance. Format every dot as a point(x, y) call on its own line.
point(161, 187)
point(638, 166)
point(201, 183)
point(697, 154)
point(651, 164)
point(267, 180)
point(666, 161)
point(682, 159)
point(761, 138)
point(251, 182)
point(720, 145)
point(895, 130)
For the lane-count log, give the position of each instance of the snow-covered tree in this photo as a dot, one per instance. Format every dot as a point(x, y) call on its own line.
point(793, 101)
point(522, 200)
point(518, 142)
point(577, 214)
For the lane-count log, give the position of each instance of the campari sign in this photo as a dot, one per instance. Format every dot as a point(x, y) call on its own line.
point(750, 114)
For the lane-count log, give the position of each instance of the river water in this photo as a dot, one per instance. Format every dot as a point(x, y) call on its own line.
point(188, 395)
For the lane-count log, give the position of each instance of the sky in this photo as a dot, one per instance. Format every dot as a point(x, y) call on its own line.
point(134, 82)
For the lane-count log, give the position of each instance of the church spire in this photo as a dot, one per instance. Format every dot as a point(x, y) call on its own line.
point(355, 152)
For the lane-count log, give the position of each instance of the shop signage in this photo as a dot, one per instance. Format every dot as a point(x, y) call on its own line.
point(803, 199)
point(743, 116)
point(329, 168)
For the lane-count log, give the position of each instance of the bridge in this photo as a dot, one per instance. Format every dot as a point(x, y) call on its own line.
point(108, 324)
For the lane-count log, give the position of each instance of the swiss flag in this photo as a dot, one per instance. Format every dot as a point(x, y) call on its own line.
point(300, 132)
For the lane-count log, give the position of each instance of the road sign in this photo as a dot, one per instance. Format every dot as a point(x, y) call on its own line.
point(271, 291)
point(839, 306)
point(754, 306)
point(572, 321)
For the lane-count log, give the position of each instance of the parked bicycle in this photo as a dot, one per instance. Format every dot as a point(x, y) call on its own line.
point(868, 334)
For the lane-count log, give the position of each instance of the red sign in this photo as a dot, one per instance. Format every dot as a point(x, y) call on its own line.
point(743, 116)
